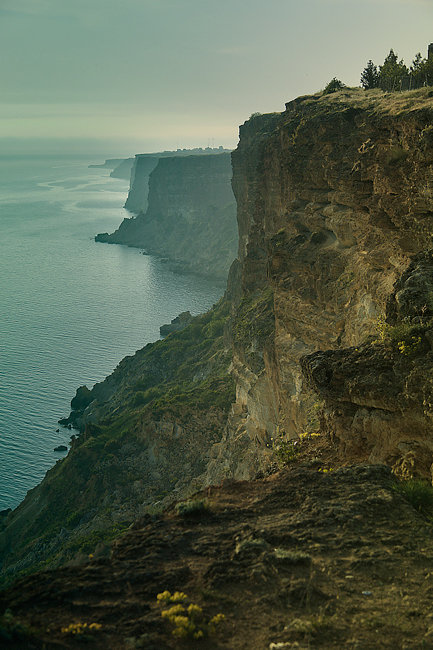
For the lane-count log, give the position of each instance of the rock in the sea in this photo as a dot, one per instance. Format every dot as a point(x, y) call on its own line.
point(61, 448)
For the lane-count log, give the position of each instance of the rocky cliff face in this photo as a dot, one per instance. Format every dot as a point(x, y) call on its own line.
point(142, 167)
point(123, 170)
point(335, 211)
point(190, 217)
point(145, 163)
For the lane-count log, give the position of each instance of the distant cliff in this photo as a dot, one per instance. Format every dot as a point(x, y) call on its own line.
point(123, 170)
point(110, 163)
point(191, 213)
point(142, 167)
point(145, 163)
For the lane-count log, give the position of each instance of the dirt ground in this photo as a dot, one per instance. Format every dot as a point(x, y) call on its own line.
point(312, 556)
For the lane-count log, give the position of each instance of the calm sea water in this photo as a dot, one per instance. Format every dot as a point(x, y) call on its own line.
point(71, 309)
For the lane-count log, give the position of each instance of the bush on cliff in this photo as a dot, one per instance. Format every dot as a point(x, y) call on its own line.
point(334, 85)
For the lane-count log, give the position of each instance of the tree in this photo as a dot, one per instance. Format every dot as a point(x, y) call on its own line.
point(334, 85)
point(370, 76)
point(392, 71)
point(417, 71)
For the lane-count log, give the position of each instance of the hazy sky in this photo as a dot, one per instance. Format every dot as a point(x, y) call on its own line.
point(136, 75)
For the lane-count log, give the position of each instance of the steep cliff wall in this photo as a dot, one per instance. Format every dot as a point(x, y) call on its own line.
point(190, 217)
point(142, 167)
point(334, 201)
point(123, 170)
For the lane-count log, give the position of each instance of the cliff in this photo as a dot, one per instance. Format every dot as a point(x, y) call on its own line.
point(332, 324)
point(110, 163)
point(142, 167)
point(325, 329)
point(145, 163)
point(123, 169)
point(190, 218)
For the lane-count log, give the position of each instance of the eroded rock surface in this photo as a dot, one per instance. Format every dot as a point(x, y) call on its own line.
point(335, 211)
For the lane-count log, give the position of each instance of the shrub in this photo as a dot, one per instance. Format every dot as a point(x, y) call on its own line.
point(188, 621)
point(334, 85)
point(286, 451)
point(419, 494)
point(192, 508)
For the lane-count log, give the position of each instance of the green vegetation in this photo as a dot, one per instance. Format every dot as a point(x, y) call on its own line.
point(406, 336)
point(286, 451)
point(370, 76)
point(187, 621)
point(193, 508)
point(334, 85)
point(395, 75)
point(418, 493)
point(178, 379)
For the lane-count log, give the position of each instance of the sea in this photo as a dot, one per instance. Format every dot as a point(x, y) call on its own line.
point(70, 308)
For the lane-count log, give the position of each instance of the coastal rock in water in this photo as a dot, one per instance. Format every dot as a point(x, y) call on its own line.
point(61, 448)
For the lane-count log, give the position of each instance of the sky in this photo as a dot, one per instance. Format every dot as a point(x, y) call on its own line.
point(128, 76)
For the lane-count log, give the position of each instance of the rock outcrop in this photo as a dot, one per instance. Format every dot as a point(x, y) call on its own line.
point(191, 213)
point(335, 211)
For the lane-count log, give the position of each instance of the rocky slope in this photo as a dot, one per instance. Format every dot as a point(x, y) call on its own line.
point(326, 324)
point(303, 559)
point(191, 213)
point(146, 435)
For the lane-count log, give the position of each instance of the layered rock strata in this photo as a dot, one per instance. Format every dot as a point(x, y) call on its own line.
point(335, 211)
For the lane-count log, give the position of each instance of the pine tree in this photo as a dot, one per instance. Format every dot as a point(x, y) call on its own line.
point(392, 71)
point(370, 76)
point(418, 71)
point(334, 85)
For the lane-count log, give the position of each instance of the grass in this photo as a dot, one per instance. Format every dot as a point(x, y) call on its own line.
point(193, 508)
point(418, 493)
